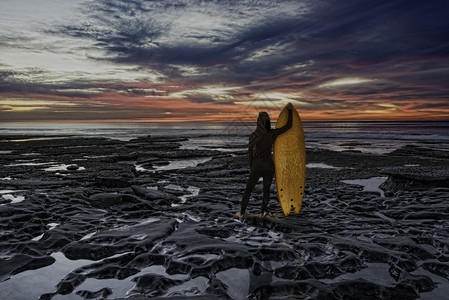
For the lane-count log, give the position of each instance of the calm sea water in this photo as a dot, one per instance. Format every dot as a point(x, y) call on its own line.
point(374, 137)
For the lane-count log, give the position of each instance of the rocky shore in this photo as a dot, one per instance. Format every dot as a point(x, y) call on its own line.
point(94, 218)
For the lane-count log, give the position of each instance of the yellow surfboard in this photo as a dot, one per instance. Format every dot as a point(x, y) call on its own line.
point(289, 155)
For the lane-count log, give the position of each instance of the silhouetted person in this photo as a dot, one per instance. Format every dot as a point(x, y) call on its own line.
point(261, 159)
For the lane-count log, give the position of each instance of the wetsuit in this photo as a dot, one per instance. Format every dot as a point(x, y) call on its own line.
point(260, 158)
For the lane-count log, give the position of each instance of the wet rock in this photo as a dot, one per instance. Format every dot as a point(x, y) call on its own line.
point(160, 163)
point(120, 240)
point(406, 245)
point(292, 273)
point(415, 178)
point(396, 272)
point(363, 289)
point(209, 296)
point(20, 263)
point(388, 193)
point(112, 182)
point(357, 289)
point(178, 267)
point(195, 248)
point(419, 151)
point(113, 271)
point(351, 263)
point(103, 200)
point(72, 168)
point(419, 283)
point(66, 286)
point(103, 293)
point(38, 183)
point(429, 215)
point(323, 270)
point(159, 139)
point(292, 289)
point(125, 157)
point(152, 285)
point(151, 194)
point(438, 268)
point(217, 289)
point(352, 151)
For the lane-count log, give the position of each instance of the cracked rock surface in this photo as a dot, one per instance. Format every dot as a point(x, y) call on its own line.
point(93, 218)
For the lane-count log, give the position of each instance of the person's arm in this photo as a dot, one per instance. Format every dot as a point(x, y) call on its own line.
point(287, 126)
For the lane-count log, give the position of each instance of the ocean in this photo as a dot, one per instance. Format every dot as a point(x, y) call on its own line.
point(377, 137)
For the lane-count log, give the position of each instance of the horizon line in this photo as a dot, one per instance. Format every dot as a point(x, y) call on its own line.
point(218, 120)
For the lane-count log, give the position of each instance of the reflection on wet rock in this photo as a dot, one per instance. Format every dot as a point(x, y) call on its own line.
point(149, 218)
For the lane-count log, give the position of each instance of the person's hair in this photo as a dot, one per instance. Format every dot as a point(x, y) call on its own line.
point(264, 120)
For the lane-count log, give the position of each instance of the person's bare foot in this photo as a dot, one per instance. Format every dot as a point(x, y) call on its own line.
point(238, 214)
point(262, 215)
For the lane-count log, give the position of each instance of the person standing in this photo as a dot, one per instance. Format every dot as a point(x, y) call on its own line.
point(261, 158)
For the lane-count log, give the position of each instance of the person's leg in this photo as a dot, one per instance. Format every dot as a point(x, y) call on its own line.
point(252, 180)
point(267, 179)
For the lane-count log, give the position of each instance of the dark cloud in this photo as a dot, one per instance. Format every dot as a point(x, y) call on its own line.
point(384, 31)
point(401, 45)
point(11, 85)
point(327, 104)
point(350, 34)
point(18, 82)
point(77, 113)
point(131, 32)
point(436, 105)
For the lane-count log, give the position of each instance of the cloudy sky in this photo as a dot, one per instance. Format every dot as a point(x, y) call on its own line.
point(148, 60)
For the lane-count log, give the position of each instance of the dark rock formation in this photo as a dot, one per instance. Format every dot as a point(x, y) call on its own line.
point(415, 178)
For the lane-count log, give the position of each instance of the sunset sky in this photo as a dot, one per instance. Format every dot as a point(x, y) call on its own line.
point(221, 60)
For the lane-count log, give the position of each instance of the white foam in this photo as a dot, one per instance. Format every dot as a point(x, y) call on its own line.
point(30, 154)
point(88, 236)
point(38, 238)
point(139, 168)
point(62, 167)
point(7, 195)
point(191, 217)
point(50, 227)
point(30, 164)
point(193, 191)
point(320, 166)
point(7, 192)
point(174, 187)
point(143, 222)
point(54, 168)
point(183, 163)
